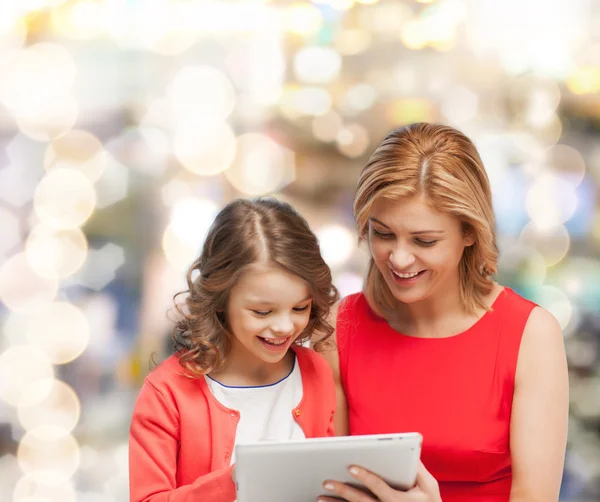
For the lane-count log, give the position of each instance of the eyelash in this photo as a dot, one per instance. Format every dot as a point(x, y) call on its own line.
point(421, 242)
point(267, 312)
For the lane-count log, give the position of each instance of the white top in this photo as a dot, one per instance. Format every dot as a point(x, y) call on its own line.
point(265, 411)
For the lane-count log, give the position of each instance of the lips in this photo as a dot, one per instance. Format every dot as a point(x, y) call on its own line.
point(407, 279)
point(275, 344)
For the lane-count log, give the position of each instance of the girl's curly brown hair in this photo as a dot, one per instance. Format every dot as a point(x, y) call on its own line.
point(245, 232)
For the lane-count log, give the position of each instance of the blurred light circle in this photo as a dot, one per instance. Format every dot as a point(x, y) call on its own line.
point(413, 34)
point(551, 242)
point(54, 252)
point(13, 33)
point(297, 102)
point(64, 199)
point(556, 302)
point(350, 42)
point(317, 65)
point(565, 163)
point(60, 407)
point(550, 132)
point(584, 80)
point(337, 244)
point(359, 98)
point(50, 453)
point(49, 120)
point(326, 127)
point(261, 165)
point(22, 289)
point(82, 20)
point(337, 4)
point(550, 201)
point(29, 488)
point(524, 261)
point(534, 97)
point(78, 150)
point(191, 219)
point(180, 253)
point(46, 63)
point(303, 19)
point(205, 148)
point(61, 331)
point(200, 93)
point(22, 369)
point(353, 140)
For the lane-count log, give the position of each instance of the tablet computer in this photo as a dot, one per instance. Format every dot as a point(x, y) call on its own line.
point(294, 471)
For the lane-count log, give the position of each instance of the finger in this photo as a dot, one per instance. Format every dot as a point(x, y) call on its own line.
point(424, 477)
point(373, 482)
point(346, 492)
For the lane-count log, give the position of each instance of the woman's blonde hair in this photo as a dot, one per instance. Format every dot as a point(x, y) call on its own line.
point(441, 164)
point(246, 232)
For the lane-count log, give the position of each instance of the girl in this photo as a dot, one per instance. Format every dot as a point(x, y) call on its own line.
point(239, 372)
point(434, 344)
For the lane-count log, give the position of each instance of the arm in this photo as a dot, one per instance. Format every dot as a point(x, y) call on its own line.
point(153, 447)
point(538, 428)
point(340, 417)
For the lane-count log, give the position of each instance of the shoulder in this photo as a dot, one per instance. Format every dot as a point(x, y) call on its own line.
point(312, 363)
point(542, 328)
point(169, 375)
point(352, 302)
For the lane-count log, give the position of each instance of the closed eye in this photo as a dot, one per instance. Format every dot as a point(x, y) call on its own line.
point(382, 235)
point(301, 309)
point(262, 313)
point(424, 243)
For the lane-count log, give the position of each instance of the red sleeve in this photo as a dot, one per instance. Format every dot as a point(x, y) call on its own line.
point(153, 447)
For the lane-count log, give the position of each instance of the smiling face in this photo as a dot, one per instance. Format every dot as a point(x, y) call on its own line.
point(268, 309)
point(416, 248)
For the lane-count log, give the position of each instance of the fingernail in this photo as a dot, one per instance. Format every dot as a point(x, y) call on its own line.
point(353, 470)
point(328, 486)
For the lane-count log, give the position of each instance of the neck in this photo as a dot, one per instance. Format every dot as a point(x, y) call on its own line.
point(245, 369)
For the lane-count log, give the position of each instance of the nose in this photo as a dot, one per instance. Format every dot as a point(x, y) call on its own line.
point(283, 324)
point(401, 258)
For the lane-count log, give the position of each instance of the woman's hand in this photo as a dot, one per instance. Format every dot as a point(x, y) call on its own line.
point(425, 490)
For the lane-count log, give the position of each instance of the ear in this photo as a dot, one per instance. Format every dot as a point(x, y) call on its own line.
point(468, 237)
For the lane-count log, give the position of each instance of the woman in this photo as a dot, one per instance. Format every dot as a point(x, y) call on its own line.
point(433, 344)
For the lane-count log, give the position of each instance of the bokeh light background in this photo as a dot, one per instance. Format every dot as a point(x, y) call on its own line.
point(126, 124)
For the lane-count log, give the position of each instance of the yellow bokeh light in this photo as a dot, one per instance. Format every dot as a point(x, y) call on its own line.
point(79, 150)
point(22, 289)
point(405, 111)
point(326, 127)
point(204, 148)
point(29, 488)
point(23, 369)
point(64, 199)
point(352, 41)
point(50, 453)
point(296, 101)
point(261, 165)
point(60, 407)
point(61, 331)
point(81, 19)
point(413, 34)
point(584, 80)
point(49, 120)
point(56, 253)
point(551, 242)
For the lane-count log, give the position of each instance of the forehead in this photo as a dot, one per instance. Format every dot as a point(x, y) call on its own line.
point(412, 214)
point(270, 283)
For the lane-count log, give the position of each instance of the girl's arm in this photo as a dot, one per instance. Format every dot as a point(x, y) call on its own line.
point(540, 411)
point(153, 448)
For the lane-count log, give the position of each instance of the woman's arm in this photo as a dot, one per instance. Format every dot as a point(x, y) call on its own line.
point(538, 430)
point(340, 417)
point(153, 447)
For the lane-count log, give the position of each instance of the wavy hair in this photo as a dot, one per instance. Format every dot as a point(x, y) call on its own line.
point(246, 232)
point(441, 164)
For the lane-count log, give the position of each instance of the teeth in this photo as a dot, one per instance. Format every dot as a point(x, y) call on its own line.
point(406, 276)
point(272, 341)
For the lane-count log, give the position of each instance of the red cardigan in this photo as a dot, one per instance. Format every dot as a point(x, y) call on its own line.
point(181, 438)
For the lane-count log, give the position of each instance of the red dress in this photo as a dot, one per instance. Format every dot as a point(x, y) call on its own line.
point(456, 391)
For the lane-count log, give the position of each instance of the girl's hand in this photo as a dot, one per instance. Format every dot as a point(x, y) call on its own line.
point(426, 489)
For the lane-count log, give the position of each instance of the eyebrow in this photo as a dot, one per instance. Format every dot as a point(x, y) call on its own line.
point(418, 232)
